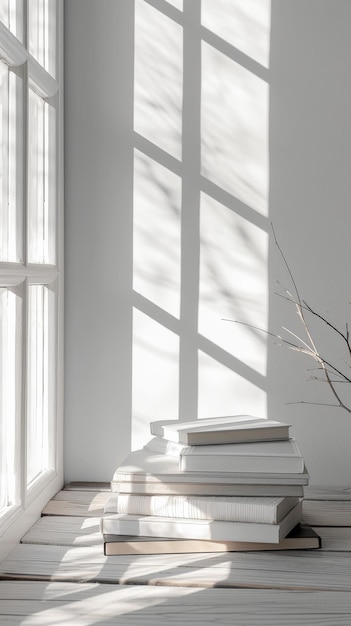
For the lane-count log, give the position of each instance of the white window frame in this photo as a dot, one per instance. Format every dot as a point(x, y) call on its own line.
point(30, 500)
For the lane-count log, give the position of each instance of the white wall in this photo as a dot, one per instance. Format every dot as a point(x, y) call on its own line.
point(249, 126)
point(310, 190)
point(99, 74)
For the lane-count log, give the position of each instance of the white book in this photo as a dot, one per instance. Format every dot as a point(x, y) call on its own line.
point(181, 528)
point(160, 445)
point(261, 456)
point(206, 489)
point(217, 430)
point(145, 466)
point(215, 457)
point(270, 510)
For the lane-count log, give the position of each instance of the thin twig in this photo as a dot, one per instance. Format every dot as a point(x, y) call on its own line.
point(314, 353)
point(338, 406)
point(321, 317)
point(296, 347)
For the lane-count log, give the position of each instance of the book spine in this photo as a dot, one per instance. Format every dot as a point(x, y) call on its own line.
point(228, 463)
point(207, 508)
point(215, 478)
point(206, 489)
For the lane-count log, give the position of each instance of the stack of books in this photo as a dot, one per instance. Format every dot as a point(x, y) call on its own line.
point(217, 484)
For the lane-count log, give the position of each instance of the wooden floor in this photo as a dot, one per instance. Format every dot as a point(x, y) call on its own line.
point(58, 575)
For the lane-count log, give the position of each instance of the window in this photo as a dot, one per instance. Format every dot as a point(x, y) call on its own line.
point(31, 278)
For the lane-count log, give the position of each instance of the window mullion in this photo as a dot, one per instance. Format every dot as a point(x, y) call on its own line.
point(40, 80)
point(12, 52)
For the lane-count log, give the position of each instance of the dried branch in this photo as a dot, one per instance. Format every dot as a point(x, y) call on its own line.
point(301, 305)
point(309, 347)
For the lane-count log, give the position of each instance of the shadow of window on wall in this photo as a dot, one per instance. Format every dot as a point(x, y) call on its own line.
point(201, 178)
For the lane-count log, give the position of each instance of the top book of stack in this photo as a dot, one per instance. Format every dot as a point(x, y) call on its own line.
point(221, 430)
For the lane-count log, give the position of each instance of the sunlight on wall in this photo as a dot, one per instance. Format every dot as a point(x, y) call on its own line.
point(158, 79)
point(155, 376)
point(200, 230)
point(245, 25)
point(178, 4)
point(233, 283)
point(157, 200)
point(224, 392)
point(235, 129)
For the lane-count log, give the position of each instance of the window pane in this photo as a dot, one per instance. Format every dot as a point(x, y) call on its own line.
point(11, 15)
point(10, 381)
point(40, 377)
point(11, 145)
point(42, 32)
point(41, 181)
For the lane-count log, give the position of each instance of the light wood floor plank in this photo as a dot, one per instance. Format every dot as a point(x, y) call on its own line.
point(57, 575)
point(80, 531)
point(327, 493)
point(283, 570)
point(53, 604)
point(327, 512)
point(65, 531)
point(77, 503)
point(338, 539)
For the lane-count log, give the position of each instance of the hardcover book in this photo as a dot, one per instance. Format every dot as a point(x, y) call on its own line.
point(145, 466)
point(217, 430)
point(300, 538)
point(238, 509)
point(207, 489)
point(268, 456)
point(283, 455)
point(181, 528)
